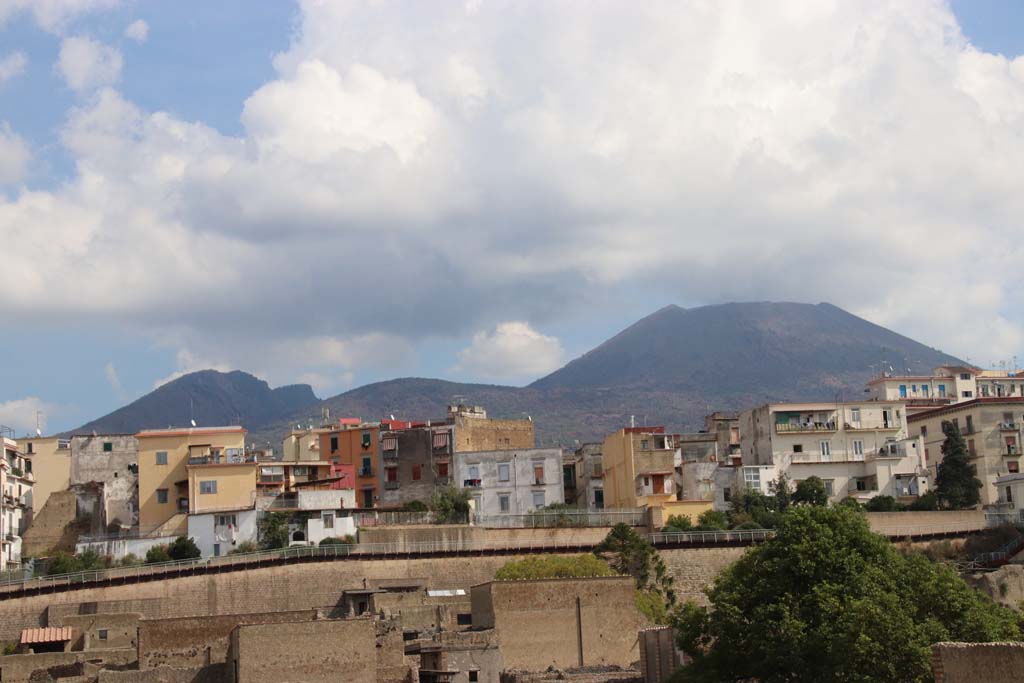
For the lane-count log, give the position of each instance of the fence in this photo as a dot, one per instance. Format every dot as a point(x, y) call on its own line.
point(543, 519)
point(401, 517)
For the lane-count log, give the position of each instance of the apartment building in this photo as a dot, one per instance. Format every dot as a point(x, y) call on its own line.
point(947, 384)
point(511, 482)
point(473, 431)
point(110, 460)
point(168, 461)
point(859, 449)
point(991, 426)
point(16, 482)
point(51, 463)
point(356, 446)
point(416, 459)
point(591, 476)
point(726, 428)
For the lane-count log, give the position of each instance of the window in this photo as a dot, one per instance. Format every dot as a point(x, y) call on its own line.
point(474, 676)
point(903, 391)
point(538, 499)
point(442, 469)
point(538, 474)
point(858, 449)
point(367, 440)
point(391, 473)
point(965, 375)
point(967, 394)
point(108, 446)
point(825, 448)
point(829, 486)
point(464, 619)
point(208, 486)
point(225, 520)
point(752, 476)
point(726, 494)
point(599, 499)
point(1007, 418)
point(1012, 466)
point(302, 471)
point(970, 424)
point(1009, 494)
point(503, 502)
point(924, 430)
point(855, 415)
point(102, 634)
point(417, 472)
point(216, 549)
point(328, 518)
point(798, 448)
point(474, 472)
point(334, 443)
point(503, 471)
point(644, 444)
point(970, 447)
point(367, 468)
point(161, 457)
point(924, 390)
point(862, 485)
point(942, 391)
point(161, 496)
point(30, 448)
point(913, 388)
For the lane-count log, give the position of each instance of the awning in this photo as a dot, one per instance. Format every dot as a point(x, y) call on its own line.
point(52, 634)
point(390, 443)
point(440, 439)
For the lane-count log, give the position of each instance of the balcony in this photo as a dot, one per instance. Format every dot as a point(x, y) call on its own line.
point(654, 463)
point(1012, 449)
point(442, 481)
point(390, 456)
point(1009, 427)
point(365, 472)
point(873, 426)
point(800, 427)
point(471, 483)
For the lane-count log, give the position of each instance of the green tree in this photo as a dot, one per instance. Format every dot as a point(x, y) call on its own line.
point(811, 491)
point(415, 506)
point(928, 501)
point(554, 567)
point(750, 505)
point(627, 552)
point(273, 531)
point(183, 548)
point(957, 485)
point(828, 600)
point(677, 523)
point(882, 504)
point(781, 493)
point(450, 505)
point(63, 563)
point(712, 520)
point(157, 554)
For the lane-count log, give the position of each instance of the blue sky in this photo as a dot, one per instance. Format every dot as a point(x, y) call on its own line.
point(519, 216)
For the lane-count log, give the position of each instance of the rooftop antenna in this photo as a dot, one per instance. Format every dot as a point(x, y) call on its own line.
point(39, 432)
point(191, 412)
point(392, 417)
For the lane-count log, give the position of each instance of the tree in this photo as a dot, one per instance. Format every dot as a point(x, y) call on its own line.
point(811, 491)
point(63, 563)
point(928, 501)
point(630, 553)
point(554, 567)
point(957, 485)
point(882, 504)
point(712, 520)
point(828, 600)
point(781, 493)
point(677, 523)
point(157, 554)
point(183, 548)
point(752, 505)
point(450, 505)
point(273, 531)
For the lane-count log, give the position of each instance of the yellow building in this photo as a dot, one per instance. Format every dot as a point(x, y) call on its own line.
point(218, 487)
point(639, 471)
point(165, 475)
point(51, 466)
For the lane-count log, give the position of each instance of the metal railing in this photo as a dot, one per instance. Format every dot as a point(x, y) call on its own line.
point(783, 427)
point(404, 517)
point(546, 519)
point(714, 537)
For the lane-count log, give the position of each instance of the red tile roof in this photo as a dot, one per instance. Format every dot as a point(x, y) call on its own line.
point(53, 634)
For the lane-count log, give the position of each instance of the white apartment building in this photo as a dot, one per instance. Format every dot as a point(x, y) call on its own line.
point(511, 482)
point(947, 384)
point(16, 482)
point(859, 449)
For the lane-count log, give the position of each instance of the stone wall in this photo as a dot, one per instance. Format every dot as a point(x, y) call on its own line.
point(694, 569)
point(19, 668)
point(455, 536)
point(215, 673)
point(900, 524)
point(191, 642)
point(486, 434)
point(559, 622)
point(975, 662)
point(103, 631)
point(90, 463)
point(312, 651)
point(48, 526)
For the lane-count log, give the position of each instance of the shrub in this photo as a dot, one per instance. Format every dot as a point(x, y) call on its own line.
point(882, 504)
point(927, 502)
point(157, 554)
point(244, 547)
point(63, 563)
point(747, 526)
point(712, 520)
point(677, 523)
point(183, 548)
point(652, 606)
point(450, 505)
point(347, 539)
point(130, 560)
point(415, 506)
point(554, 567)
point(273, 528)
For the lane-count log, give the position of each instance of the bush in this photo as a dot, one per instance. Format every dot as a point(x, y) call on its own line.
point(244, 547)
point(130, 560)
point(554, 567)
point(652, 605)
point(925, 503)
point(450, 505)
point(712, 520)
point(747, 526)
point(183, 548)
point(677, 523)
point(274, 531)
point(851, 502)
point(157, 554)
point(415, 506)
point(347, 539)
point(63, 563)
point(882, 504)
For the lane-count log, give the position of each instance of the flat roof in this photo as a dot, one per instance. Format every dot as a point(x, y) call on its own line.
point(190, 431)
point(964, 405)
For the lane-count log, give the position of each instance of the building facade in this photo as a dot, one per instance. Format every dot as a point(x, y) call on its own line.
point(164, 480)
point(358, 446)
point(110, 460)
point(51, 466)
point(16, 482)
point(415, 461)
point(639, 465)
point(511, 482)
point(475, 432)
point(991, 428)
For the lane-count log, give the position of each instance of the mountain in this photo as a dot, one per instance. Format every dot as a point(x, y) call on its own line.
point(672, 367)
point(209, 397)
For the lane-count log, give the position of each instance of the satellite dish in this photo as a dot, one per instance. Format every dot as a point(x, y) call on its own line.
point(193, 422)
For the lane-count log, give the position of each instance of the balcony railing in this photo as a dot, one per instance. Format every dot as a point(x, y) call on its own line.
point(366, 472)
point(1012, 450)
point(391, 485)
point(471, 483)
point(790, 427)
point(873, 426)
point(1009, 426)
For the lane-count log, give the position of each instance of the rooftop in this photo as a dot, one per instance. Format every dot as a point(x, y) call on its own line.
point(190, 431)
point(965, 405)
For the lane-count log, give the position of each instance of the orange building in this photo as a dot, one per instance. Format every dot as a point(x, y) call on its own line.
point(357, 446)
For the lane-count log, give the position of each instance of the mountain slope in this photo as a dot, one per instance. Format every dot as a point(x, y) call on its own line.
point(211, 398)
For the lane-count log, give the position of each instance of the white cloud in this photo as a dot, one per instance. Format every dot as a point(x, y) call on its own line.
point(13, 65)
point(407, 172)
point(86, 64)
point(138, 31)
point(112, 379)
point(14, 155)
point(188, 362)
point(53, 15)
point(20, 414)
point(511, 350)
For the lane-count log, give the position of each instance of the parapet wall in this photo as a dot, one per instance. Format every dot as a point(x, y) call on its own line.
point(975, 662)
point(899, 524)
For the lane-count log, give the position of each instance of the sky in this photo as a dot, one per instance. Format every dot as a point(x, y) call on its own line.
point(338, 193)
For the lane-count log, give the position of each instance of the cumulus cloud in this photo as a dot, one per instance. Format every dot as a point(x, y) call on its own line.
point(86, 64)
point(14, 155)
point(407, 172)
point(188, 362)
point(20, 414)
point(138, 31)
point(52, 15)
point(512, 350)
point(12, 65)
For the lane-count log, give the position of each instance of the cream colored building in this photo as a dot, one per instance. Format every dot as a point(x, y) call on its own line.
point(947, 384)
point(991, 427)
point(51, 466)
point(165, 481)
point(858, 449)
point(16, 483)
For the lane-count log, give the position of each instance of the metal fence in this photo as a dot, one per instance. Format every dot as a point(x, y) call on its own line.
point(547, 519)
point(401, 517)
point(711, 537)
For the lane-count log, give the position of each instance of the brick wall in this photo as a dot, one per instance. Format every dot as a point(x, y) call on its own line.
point(310, 651)
point(476, 434)
point(120, 630)
point(48, 524)
point(694, 569)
